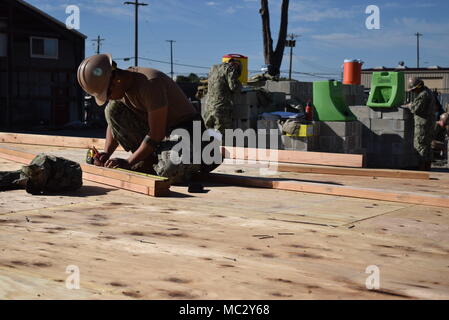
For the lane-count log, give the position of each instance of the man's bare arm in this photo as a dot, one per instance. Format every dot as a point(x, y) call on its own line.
point(157, 120)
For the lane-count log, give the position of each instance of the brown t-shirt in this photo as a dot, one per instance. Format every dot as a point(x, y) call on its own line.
point(153, 89)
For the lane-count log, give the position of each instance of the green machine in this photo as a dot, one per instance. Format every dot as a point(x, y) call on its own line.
point(329, 102)
point(387, 90)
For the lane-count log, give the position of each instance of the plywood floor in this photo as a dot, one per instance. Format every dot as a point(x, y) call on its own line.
point(228, 243)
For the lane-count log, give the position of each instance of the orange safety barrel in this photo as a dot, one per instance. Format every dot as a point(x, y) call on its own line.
point(352, 72)
point(243, 60)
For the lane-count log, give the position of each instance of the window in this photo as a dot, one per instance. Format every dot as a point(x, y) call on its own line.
point(44, 48)
point(3, 45)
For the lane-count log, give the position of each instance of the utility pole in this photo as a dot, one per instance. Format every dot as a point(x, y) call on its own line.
point(417, 46)
point(291, 43)
point(98, 41)
point(171, 56)
point(136, 4)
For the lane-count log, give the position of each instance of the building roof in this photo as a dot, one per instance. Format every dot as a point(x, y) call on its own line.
point(54, 20)
point(399, 68)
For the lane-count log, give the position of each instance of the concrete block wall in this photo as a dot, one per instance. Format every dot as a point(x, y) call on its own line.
point(302, 91)
point(246, 108)
point(299, 143)
point(387, 136)
point(339, 137)
point(354, 95)
point(285, 142)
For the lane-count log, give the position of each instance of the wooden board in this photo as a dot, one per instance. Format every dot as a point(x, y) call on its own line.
point(150, 185)
point(56, 141)
point(316, 158)
point(329, 189)
point(385, 173)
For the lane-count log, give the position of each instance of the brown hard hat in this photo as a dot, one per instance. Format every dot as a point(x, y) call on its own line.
point(94, 74)
point(415, 83)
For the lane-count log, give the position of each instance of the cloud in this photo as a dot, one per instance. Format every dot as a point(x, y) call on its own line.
point(316, 11)
point(211, 3)
point(231, 10)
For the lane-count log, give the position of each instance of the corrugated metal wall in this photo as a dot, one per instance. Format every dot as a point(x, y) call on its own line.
point(434, 79)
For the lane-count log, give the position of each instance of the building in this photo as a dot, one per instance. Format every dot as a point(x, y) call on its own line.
point(434, 77)
point(39, 57)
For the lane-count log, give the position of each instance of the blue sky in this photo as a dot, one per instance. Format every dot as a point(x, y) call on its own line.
point(205, 30)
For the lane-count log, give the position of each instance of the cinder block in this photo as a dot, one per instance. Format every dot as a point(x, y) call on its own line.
point(388, 125)
point(341, 129)
point(396, 114)
point(269, 124)
point(269, 141)
point(299, 144)
point(244, 111)
point(361, 112)
point(375, 113)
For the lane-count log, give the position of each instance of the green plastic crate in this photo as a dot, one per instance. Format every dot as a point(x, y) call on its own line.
point(329, 102)
point(387, 90)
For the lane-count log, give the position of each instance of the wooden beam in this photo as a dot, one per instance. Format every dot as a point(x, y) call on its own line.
point(150, 185)
point(329, 189)
point(384, 173)
point(303, 157)
point(314, 158)
point(55, 141)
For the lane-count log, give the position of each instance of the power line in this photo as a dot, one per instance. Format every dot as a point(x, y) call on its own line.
point(171, 56)
point(136, 4)
point(417, 47)
point(98, 41)
point(291, 43)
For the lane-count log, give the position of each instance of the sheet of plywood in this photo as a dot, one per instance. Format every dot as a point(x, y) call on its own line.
point(217, 245)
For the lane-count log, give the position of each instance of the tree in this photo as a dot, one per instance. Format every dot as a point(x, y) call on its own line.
point(273, 59)
point(192, 78)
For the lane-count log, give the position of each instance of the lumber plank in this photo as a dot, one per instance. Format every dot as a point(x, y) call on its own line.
point(150, 185)
point(117, 183)
point(55, 141)
point(287, 156)
point(363, 172)
point(329, 189)
point(317, 158)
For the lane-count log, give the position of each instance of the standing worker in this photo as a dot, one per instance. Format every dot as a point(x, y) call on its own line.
point(145, 106)
point(423, 109)
point(223, 83)
point(441, 132)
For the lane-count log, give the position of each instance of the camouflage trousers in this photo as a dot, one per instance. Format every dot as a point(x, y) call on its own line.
point(218, 117)
point(45, 174)
point(129, 129)
point(422, 143)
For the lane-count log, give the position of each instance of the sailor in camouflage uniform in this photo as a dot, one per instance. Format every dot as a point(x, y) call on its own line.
point(144, 110)
point(423, 109)
point(223, 83)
